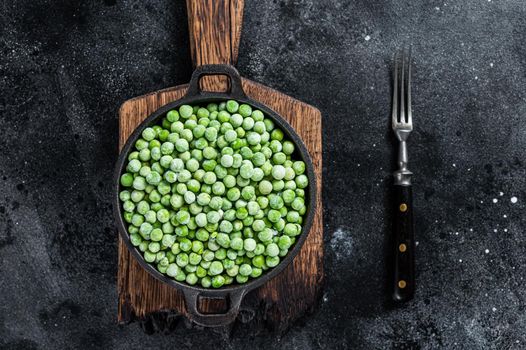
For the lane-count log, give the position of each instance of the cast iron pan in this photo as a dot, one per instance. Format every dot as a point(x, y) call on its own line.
point(233, 293)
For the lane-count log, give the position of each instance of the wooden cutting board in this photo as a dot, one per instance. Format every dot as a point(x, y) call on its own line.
point(295, 291)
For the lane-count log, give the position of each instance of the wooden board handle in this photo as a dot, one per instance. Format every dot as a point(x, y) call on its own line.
point(215, 30)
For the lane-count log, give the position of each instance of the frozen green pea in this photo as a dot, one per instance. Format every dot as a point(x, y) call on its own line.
point(213, 217)
point(245, 270)
point(273, 215)
point(292, 229)
point(209, 178)
point(181, 259)
point(253, 138)
point(216, 268)
point(156, 234)
point(211, 134)
point(223, 240)
point(258, 226)
point(150, 216)
point(278, 185)
point(246, 171)
point(265, 187)
point(232, 106)
point(278, 172)
point(145, 171)
point(236, 243)
point(128, 206)
point(227, 160)
point(276, 134)
point(249, 244)
point(299, 167)
point(172, 270)
point(298, 203)
point(230, 135)
point(137, 220)
point(149, 256)
point(125, 195)
point(183, 217)
point(266, 235)
point(302, 181)
point(284, 242)
point(148, 134)
point(279, 158)
point(186, 111)
point(142, 207)
point(275, 146)
point(134, 166)
point(184, 176)
point(137, 196)
point(288, 148)
point(154, 247)
point(153, 178)
point(218, 188)
point(276, 202)
point(189, 197)
point(181, 145)
point(203, 113)
point(167, 148)
point(236, 120)
point(201, 220)
point(218, 281)
point(216, 203)
point(245, 110)
point(241, 279)
point(225, 226)
point(220, 171)
point(272, 250)
point(193, 185)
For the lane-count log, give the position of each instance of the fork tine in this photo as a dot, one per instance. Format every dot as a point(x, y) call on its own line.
point(402, 95)
point(408, 88)
point(394, 113)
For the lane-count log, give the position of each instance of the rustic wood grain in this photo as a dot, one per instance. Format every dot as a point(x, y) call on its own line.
point(280, 301)
point(215, 31)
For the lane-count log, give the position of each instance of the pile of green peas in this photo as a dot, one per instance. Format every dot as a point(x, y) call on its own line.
point(213, 194)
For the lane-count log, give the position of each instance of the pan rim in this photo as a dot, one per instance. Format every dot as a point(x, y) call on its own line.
point(153, 119)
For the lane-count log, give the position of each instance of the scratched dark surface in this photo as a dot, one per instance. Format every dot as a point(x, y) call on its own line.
point(66, 66)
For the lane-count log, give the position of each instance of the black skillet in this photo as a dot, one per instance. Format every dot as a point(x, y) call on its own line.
point(234, 293)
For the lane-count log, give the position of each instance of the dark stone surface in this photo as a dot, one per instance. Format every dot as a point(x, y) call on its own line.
point(66, 66)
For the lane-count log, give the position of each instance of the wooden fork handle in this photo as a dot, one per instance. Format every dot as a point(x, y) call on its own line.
point(404, 244)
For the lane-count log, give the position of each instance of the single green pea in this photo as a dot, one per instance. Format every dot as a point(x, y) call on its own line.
point(216, 268)
point(241, 279)
point(182, 259)
point(149, 256)
point(249, 244)
point(172, 270)
point(186, 111)
point(128, 206)
point(218, 281)
point(245, 110)
point(245, 270)
point(272, 261)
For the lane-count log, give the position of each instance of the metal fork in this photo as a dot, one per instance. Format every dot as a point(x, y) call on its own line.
point(402, 122)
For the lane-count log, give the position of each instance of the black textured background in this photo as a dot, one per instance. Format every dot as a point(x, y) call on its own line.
point(66, 66)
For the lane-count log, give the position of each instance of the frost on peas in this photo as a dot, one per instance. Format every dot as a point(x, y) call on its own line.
point(214, 194)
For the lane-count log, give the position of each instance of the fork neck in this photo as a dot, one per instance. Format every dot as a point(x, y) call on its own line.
point(402, 176)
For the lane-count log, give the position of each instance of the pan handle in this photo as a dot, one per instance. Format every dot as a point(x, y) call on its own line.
point(213, 320)
point(215, 29)
point(236, 90)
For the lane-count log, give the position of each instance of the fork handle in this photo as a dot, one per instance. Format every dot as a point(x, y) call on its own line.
point(404, 244)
